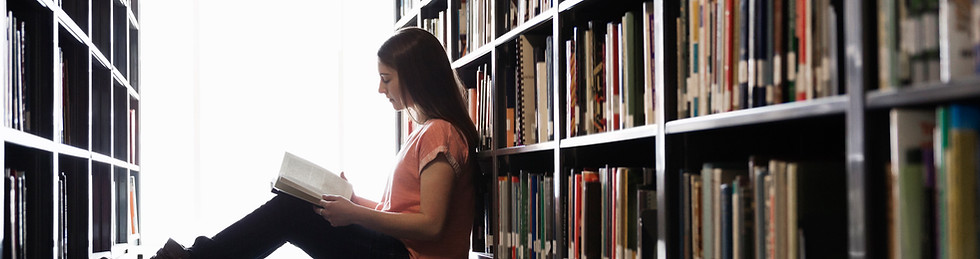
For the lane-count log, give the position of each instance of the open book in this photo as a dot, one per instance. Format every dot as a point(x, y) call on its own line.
point(308, 181)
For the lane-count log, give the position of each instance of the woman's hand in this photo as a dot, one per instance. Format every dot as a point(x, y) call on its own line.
point(337, 210)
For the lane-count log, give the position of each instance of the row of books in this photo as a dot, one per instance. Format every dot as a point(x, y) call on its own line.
point(475, 25)
point(605, 208)
point(17, 87)
point(769, 209)
point(480, 105)
point(610, 76)
point(15, 213)
point(927, 41)
point(594, 213)
point(932, 182)
point(529, 99)
point(521, 11)
point(439, 27)
point(405, 7)
point(526, 215)
point(738, 54)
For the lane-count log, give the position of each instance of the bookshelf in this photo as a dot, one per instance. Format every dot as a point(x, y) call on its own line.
point(71, 129)
point(819, 130)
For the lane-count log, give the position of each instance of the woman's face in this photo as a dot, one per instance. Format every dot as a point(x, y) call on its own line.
point(390, 86)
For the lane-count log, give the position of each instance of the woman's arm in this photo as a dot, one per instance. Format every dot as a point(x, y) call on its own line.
point(436, 185)
point(364, 202)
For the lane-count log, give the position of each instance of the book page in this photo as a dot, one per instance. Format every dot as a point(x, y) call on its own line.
point(308, 181)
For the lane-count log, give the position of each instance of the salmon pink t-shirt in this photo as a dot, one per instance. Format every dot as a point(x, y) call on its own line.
point(402, 195)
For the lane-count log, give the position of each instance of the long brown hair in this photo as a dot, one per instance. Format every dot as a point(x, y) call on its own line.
point(428, 79)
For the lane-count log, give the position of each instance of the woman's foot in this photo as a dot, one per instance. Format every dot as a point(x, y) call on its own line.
point(172, 250)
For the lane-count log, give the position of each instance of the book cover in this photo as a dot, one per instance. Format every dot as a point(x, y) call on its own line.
point(941, 139)
point(503, 214)
point(134, 224)
point(759, 169)
point(570, 89)
point(648, 60)
point(543, 94)
point(724, 174)
point(307, 181)
point(725, 203)
point(909, 129)
point(707, 211)
point(592, 215)
point(685, 222)
point(957, 34)
point(778, 209)
point(697, 201)
point(962, 180)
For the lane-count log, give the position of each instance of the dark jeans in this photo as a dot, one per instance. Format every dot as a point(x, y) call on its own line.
point(287, 219)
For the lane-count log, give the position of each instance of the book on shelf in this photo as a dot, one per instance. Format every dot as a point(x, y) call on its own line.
point(526, 93)
point(521, 11)
point(599, 212)
point(531, 92)
point(405, 7)
point(610, 78)
point(958, 46)
point(18, 92)
point(305, 180)
point(15, 213)
point(61, 240)
point(480, 105)
point(960, 168)
point(134, 222)
point(911, 136)
point(648, 49)
point(764, 212)
point(462, 25)
point(474, 21)
point(543, 83)
point(596, 84)
point(573, 109)
point(132, 123)
point(592, 238)
point(931, 182)
point(438, 27)
point(739, 54)
point(924, 41)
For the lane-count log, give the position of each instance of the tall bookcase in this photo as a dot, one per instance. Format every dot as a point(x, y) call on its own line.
point(837, 133)
point(71, 129)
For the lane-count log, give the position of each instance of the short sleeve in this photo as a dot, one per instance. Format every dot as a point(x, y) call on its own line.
point(442, 137)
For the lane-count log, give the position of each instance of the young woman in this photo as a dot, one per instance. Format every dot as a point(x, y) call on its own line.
point(428, 206)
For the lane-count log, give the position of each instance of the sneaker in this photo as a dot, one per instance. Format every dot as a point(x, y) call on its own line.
point(172, 250)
